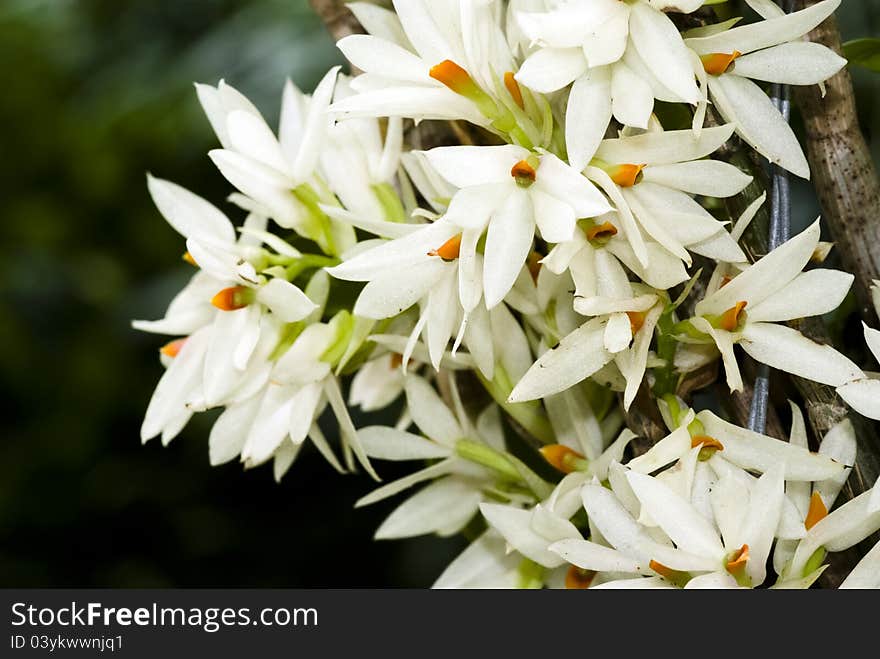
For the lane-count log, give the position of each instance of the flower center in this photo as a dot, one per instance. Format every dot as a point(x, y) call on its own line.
point(525, 172)
point(578, 579)
point(731, 319)
point(233, 298)
point(449, 250)
point(513, 89)
point(636, 319)
point(601, 232)
point(453, 76)
point(533, 263)
point(626, 176)
point(717, 63)
point(676, 577)
point(708, 446)
point(171, 348)
point(736, 562)
point(816, 513)
point(563, 458)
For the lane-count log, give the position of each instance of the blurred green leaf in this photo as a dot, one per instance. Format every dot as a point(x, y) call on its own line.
point(863, 52)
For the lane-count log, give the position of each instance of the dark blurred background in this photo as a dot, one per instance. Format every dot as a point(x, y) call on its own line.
point(94, 94)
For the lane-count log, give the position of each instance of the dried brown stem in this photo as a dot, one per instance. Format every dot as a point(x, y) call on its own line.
point(843, 172)
point(337, 18)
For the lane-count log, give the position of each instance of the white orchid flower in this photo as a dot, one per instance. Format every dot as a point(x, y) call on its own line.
point(508, 191)
point(769, 51)
point(619, 55)
point(275, 420)
point(278, 173)
point(746, 311)
point(433, 60)
point(653, 195)
point(460, 480)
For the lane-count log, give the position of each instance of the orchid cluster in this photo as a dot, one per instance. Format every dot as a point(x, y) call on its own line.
point(508, 297)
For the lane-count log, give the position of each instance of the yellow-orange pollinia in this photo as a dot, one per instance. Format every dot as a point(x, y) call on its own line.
point(636, 320)
point(453, 76)
point(233, 298)
point(449, 250)
point(626, 176)
point(578, 579)
point(513, 89)
point(603, 231)
point(717, 63)
point(524, 173)
point(563, 458)
point(730, 319)
point(736, 565)
point(172, 348)
point(816, 513)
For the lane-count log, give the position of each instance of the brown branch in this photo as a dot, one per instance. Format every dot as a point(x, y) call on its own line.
point(337, 18)
point(843, 172)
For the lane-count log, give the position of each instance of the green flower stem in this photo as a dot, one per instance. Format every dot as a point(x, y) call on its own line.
point(487, 457)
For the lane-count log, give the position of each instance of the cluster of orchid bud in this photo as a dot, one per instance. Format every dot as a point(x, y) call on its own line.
point(547, 260)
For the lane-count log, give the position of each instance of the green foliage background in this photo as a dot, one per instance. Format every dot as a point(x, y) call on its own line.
point(94, 94)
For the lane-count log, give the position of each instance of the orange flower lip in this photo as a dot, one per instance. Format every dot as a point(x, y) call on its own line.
point(738, 560)
point(453, 76)
point(563, 458)
point(626, 176)
point(449, 250)
point(730, 319)
point(602, 231)
point(636, 320)
point(717, 63)
point(706, 442)
point(816, 513)
point(578, 579)
point(513, 89)
point(172, 348)
point(232, 298)
point(524, 173)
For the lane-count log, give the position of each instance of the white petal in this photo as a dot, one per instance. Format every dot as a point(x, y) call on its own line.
point(391, 444)
point(515, 524)
point(230, 431)
point(809, 294)
point(464, 166)
point(758, 122)
point(788, 350)
point(189, 214)
point(587, 116)
point(756, 452)
point(390, 294)
point(252, 137)
point(762, 34)
point(863, 396)
point(442, 505)
point(591, 556)
point(375, 55)
point(767, 276)
point(567, 184)
point(633, 100)
point(795, 63)
point(578, 356)
point(710, 178)
point(315, 127)
point(551, 69)
point(660, 46)
point(430, 413)
point(555, 219)
point(508, 243)
point(664, 148)
point(682, 523)
point(866, 574)
point(285, 300)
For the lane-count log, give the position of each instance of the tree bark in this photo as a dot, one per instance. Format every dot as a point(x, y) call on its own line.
point(843, 172)
point(338, 19)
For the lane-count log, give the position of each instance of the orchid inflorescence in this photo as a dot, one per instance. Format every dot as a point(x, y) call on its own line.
point(520, 289)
